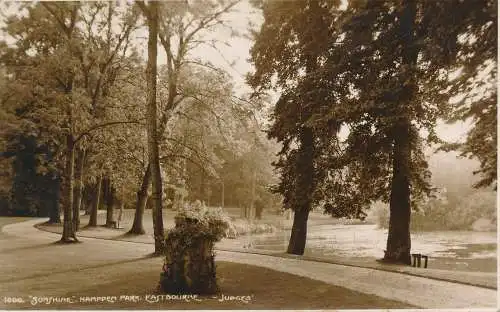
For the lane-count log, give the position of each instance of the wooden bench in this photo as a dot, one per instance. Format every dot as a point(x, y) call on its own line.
point(115, 225)
point(417, 260)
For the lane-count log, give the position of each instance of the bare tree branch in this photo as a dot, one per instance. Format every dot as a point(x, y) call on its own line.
point(198, 164)
point(213, 113)
point(204, 22)
point(206, 65)
point(103, 125)
point(199, 155)
point(55, 15)
point(144, 8)
point(67, 29)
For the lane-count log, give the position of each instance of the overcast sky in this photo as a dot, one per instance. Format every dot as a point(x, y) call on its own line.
point(237, 51)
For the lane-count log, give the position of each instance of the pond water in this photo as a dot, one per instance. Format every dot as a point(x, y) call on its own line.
point(464, 248)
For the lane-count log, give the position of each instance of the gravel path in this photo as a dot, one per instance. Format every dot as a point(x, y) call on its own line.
point(242, 244)
point(29, 258)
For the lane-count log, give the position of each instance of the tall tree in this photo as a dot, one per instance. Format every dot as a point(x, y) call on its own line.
point(57, 97)
point(151, 13)
point(398, 240)
point(298, 31)
point(396, 58)
point(400, 57)
point(102, 57)
point(384, 72)
point(182, 27)
point(66, 18)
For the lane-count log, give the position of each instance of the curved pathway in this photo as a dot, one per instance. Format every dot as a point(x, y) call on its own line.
point(28, 256)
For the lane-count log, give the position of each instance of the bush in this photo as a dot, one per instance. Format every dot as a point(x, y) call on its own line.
point(379, 214)
point(189, 251)
point(245, 227)
point(441, 214)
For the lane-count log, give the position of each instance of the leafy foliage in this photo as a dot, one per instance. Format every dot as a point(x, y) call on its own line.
point(383, 70)
point(61, 69)
point(28, 190)
point(446, 212)
point(297, 31)
point(189, 262)
point(196, 221)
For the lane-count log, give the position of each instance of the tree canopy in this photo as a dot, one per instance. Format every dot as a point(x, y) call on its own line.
point(386, 72)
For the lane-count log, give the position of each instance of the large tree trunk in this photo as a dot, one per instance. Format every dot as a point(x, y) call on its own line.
point(305, 176)
point(68, 234)
point(259, 207)
point(298, 237)
point(222, 195)
point(54, 210)
point(96, 201)
point(121, 203)
point(54, 214)
point(202, 192)
point(140, 205)
point(110, 203)
point(152, 129)
point(78, 190)
point(170, 196)
point(398, 239)
point(304, 190)
point(252, 193)
point(86, 199)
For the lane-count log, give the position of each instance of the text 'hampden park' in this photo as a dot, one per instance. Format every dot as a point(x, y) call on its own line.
point(49, 300)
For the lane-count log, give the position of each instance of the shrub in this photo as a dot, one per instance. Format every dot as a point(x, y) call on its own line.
point(443, 214)
point(189, 251)
point(379, 213)
point(245, 227)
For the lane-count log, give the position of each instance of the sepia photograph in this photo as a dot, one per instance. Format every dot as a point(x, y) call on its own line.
point(248, 155)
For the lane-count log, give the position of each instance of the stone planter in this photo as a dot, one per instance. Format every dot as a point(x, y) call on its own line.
point(191, 271)
point(189, 251)
point(189, 260)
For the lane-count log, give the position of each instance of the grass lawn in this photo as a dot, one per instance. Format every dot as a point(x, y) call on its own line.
point(262, 288)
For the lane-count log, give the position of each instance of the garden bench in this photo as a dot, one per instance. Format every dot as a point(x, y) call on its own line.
point(115, 225)
point(417, 258)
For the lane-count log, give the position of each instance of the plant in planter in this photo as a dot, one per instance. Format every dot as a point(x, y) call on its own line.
point(189, 251)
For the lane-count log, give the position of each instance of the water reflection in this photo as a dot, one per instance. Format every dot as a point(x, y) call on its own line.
point(370, 241)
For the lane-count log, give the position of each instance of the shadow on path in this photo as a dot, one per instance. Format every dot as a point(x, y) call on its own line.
point(30, 247)
point(79, 269)
point(413, 290)
point(479, 279)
